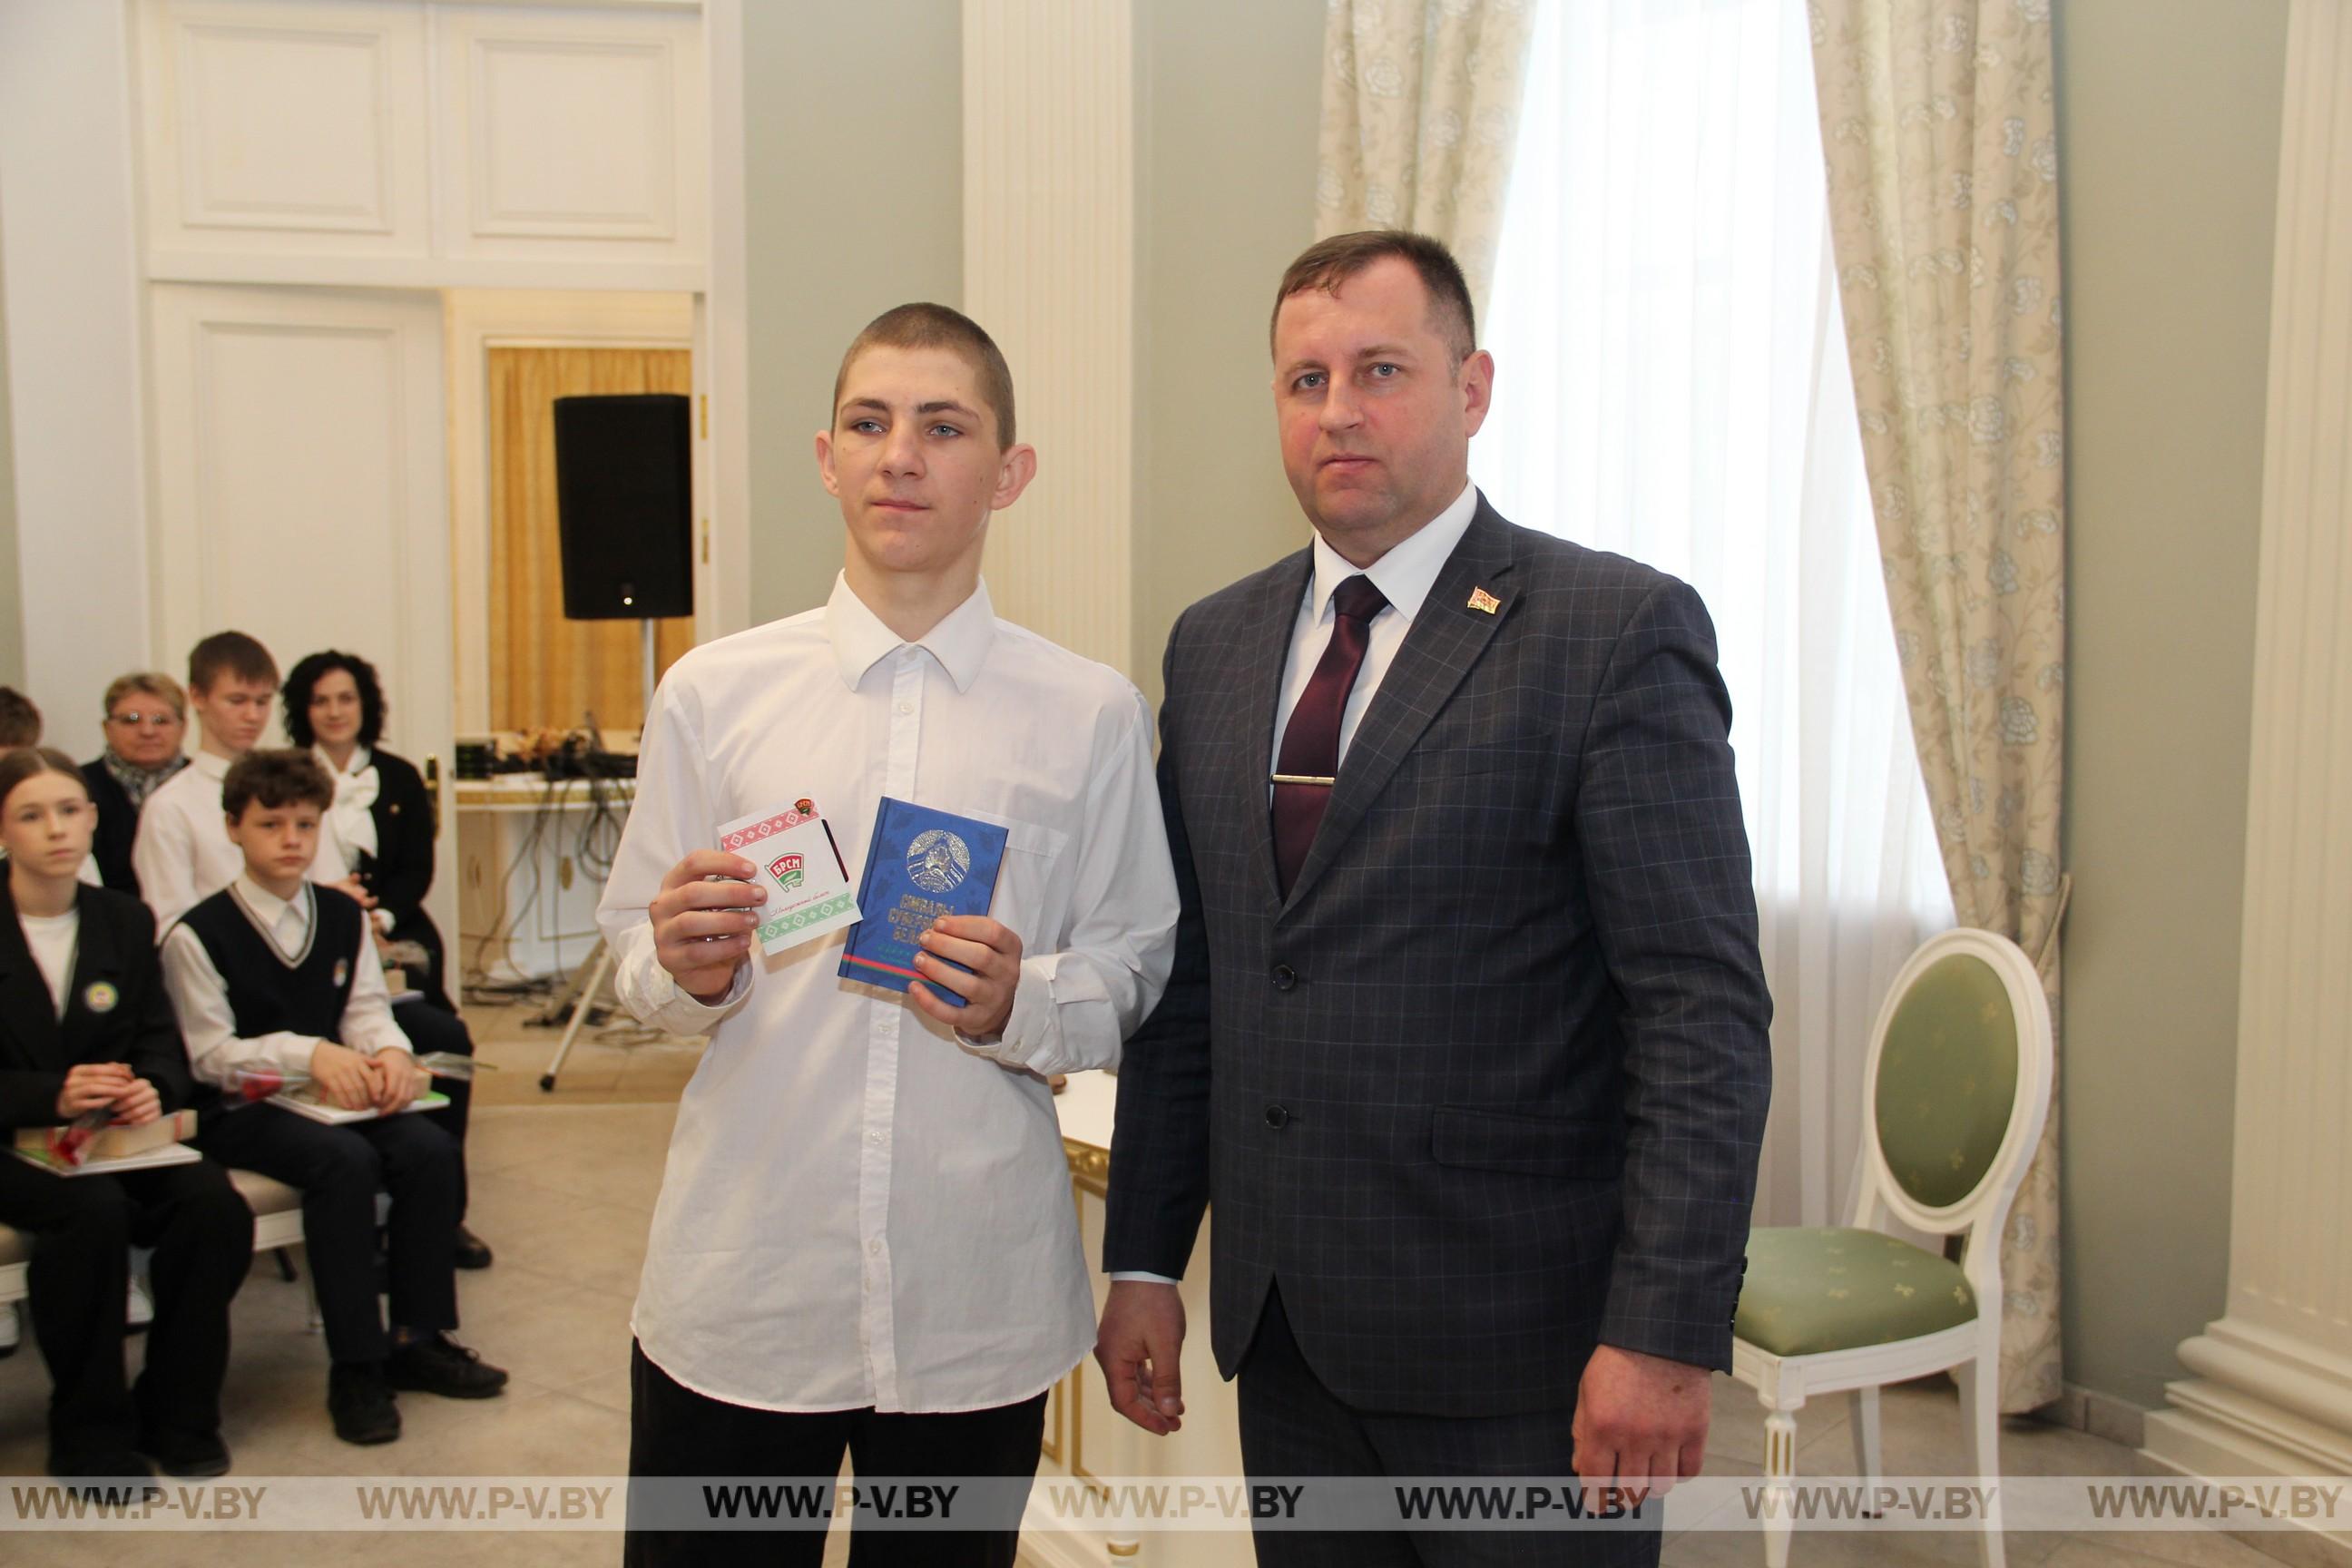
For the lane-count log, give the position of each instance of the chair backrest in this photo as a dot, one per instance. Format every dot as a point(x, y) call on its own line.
point(1958, 1086)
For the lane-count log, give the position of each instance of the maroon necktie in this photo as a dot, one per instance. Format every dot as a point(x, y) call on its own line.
point(1309, 763)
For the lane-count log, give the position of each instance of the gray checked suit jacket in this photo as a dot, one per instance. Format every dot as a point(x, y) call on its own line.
point(1488, 1087)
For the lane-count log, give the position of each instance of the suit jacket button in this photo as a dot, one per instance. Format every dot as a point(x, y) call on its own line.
point(1277, 1117)
point(1285, 977)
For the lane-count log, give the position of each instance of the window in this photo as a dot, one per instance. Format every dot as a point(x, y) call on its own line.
point(1672, 383)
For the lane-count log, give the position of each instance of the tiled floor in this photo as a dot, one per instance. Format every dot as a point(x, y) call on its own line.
point(564, 1189)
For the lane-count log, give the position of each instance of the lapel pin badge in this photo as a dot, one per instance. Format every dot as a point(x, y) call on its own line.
point(1483, 601)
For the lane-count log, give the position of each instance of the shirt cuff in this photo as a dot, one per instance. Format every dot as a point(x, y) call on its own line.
point(1031, 1026)
point(1137, 1274)
point(669, 1006)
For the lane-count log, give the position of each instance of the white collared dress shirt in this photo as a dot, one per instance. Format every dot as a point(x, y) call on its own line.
point(208, 1025)
point(182, 854)
point(861, 1206)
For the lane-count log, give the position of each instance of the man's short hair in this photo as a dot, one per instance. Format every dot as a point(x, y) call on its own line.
point(20, 721)
point(1328, 263)
point(232, 654)
point(927, 326)
point(277, 779)
point(151, 682)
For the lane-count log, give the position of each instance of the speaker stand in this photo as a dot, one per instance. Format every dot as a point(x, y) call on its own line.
point(598, 966)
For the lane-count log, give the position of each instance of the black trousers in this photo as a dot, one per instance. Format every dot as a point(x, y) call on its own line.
point(1291, 1424)
point(674, 1431)
point(82, 1229)
point(439, 1029)
point(339, 1170)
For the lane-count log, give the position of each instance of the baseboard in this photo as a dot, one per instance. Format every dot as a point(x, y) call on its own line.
point(2100, 1414)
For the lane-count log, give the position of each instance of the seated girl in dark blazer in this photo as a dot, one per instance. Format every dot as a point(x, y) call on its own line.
point(85, 1023)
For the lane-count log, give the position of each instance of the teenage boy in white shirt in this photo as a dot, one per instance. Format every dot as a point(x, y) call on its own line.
point(865, 1238)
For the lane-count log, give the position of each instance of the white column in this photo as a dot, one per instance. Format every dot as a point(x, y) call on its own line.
point(74, 358)
point(2273, 1387)
point(1049, 270)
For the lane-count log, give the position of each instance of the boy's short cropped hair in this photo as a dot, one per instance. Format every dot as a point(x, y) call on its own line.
point(231, 653)
point(923, 325)
point(20, 721)
point(276, 779)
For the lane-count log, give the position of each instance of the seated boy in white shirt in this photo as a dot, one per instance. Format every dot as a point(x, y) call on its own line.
point(180, 855)
point(277, 976)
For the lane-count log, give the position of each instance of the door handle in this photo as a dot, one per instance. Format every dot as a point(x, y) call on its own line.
point(433, 790)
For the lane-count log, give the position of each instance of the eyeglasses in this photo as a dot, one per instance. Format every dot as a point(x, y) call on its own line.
point(152, 721)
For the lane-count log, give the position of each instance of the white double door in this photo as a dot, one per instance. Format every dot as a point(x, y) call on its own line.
point(301, 494)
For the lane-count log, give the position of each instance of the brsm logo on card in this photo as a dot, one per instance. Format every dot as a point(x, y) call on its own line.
point(938, 861)
point(789, 870)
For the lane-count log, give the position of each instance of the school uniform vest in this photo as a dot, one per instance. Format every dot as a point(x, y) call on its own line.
point(267, 992)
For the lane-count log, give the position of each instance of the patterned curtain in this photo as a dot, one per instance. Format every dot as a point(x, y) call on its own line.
point(1940, 134)
point(1421, 111)
point(546, 671)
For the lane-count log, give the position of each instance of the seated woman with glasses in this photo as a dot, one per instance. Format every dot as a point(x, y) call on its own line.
point(146, 720)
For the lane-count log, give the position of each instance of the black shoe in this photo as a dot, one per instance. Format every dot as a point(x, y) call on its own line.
point(361, 1402)
point(193, 1456)
point(109, 1480)
point(442, 1366)
point(471, 1251)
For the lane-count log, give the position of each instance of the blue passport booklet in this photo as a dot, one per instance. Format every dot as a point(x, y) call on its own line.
point(920, 864)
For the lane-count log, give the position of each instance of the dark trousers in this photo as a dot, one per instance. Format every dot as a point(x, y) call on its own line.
point(439, 1029)
point(1291, 1424)
point(674, 1431)
point(82, 1229)
point(339, 1170)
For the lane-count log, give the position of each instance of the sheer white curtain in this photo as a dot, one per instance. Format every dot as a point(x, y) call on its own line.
point(1672, 383)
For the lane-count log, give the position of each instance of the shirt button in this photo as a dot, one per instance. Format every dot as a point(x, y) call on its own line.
point(906, 708)
point(1285, 977)
point(875, 1246)
point(874, 1139)
point(1277, 1117)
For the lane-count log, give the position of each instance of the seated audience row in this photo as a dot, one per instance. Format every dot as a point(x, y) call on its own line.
point(273, 878)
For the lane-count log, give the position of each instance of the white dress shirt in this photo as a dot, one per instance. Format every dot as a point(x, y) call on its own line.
point(208, 1023)
point(1405, 576)
point(182, 854)
point(52, 939)
point(862, 1208)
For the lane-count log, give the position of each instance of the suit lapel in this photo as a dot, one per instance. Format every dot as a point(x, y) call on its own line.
point(1267, 649)
point(28, 1012)
point(1446, 638)
point(98, 960)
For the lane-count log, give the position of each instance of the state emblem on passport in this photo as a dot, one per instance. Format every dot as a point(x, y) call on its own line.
point(938, 861)
point(789, 870)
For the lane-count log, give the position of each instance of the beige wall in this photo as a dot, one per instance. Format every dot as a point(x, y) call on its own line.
point(2169, 127)
point(12, 612)
point(1227, 95)
point(853, 181)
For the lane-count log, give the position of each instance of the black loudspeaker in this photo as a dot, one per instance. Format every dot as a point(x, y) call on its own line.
point(625, 506)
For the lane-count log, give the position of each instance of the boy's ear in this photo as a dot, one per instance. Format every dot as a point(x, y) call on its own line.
point(1015, 469)
point(824, 463)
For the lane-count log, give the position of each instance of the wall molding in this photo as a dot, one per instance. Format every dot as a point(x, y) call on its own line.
point(1049, 270)
point(2274, 1375)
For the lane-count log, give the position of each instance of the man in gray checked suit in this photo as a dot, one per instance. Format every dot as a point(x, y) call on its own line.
point(1468, 1035)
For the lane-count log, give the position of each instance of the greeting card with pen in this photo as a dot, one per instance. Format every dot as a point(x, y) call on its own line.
point(808, 885)
point(922, 864)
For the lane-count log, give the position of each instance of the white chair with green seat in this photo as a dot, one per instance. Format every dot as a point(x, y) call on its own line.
point(1955, 1096)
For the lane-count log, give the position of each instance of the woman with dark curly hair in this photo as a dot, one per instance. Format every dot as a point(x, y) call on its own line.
point(334, 705)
